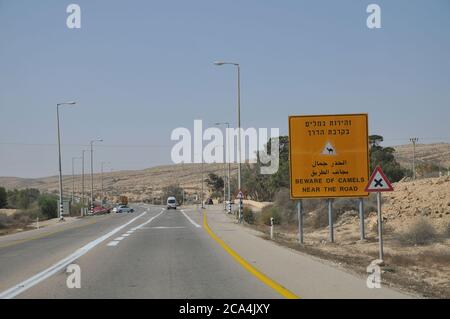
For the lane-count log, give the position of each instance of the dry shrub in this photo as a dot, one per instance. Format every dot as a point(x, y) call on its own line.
point(5, 221)
point(386, 227)
point(248, 215)
point(429, 257)
point(447, 231)
point(269, 212)
point(419, 233)
point(319, 219)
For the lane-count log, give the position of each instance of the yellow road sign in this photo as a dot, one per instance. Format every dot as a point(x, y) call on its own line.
point(329, 155)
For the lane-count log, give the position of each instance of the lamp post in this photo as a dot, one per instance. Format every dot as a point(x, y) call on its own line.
point(73, 177)
point(238, 68)
point(414, 140)
point(83, 203)
point(61, 205)
point(228, 160)
point(202, 182)
point(92, 172)
point(103, 163)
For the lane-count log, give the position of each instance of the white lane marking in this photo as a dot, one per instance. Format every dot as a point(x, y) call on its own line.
point(190, 219)
point(130, 231)
point(119, 238)
point(147, 222)
point(125, 235)
point(60, 265)
point(113, 243)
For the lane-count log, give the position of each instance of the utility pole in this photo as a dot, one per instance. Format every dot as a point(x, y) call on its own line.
point(73, 177)
point(103, 163)
point(202, 181)
point(92, 173)
point(238, 68)
point(83, 199)
point(61, 203)
point(414, 140)
point(224, 188)
point(182, 188)
point(227, 151)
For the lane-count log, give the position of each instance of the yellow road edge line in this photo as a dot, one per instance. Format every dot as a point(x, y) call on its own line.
point(255, 272)
point(43, 235)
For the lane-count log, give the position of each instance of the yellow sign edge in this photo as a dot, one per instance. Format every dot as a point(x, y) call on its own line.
point(366, 115)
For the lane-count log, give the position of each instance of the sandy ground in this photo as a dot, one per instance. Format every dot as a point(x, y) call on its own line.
point(419, 269)
point(423, 269)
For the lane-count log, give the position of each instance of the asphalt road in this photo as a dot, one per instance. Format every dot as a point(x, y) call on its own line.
point(153, 253)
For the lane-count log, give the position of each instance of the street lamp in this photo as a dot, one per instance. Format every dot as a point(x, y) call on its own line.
point(228, 160)
point(92, 172)
point(414, 140)
point(82, 182)
point(61, 205)
point(202, 182)
point(220, 63)
point(103, 163)
point(73, 177)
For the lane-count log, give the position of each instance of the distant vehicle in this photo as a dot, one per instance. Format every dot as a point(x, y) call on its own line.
point(209, 201)
point(101, 210)
point(171, 203)
point(123, 209)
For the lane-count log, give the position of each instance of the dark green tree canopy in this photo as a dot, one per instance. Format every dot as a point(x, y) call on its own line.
point(3, 197)
point(215, 184)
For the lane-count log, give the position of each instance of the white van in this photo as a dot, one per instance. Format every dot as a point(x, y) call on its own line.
point(171, 202)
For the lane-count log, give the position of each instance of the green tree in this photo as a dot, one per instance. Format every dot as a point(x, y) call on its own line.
point(215, 184)
point(384, 157)
point(23, 198)
point(3, 197)
point(262, 187)
point(48, 206)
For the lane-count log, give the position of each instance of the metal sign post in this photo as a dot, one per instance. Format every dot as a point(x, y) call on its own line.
point(300, 221)
point(380, 227)
point(379, 183)
point(330, 221)
point(361, 219)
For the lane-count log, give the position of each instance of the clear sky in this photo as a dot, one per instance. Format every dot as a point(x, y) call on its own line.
point(139, 69)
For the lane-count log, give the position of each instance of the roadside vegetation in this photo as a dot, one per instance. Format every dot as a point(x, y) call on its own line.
point(27, 205)
point(420, 233)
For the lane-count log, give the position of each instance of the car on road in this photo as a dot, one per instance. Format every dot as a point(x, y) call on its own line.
point(123, 209)
point(101, 210)
point(171, 202)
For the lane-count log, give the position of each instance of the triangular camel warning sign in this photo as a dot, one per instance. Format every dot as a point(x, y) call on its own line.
point(329, 149)
point(378, 182)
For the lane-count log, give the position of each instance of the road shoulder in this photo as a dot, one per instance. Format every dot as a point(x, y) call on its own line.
point(305, 276)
